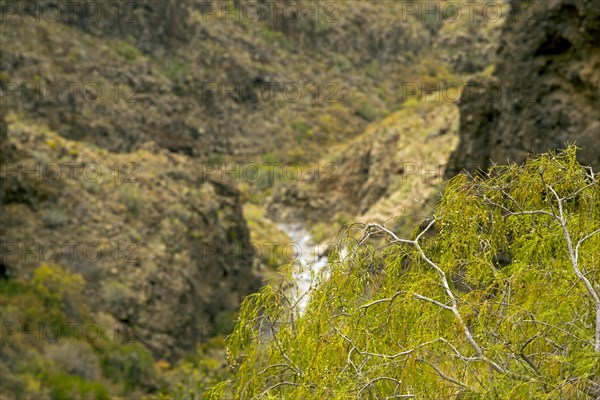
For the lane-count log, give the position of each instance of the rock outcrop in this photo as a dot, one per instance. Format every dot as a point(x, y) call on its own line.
point(391, 170)
point(164, 251)
point(544, 92)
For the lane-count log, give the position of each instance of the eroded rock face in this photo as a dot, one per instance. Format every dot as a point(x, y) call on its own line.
point(164, 251)
point(391, 170)
point(545, 91)
point(151, 23)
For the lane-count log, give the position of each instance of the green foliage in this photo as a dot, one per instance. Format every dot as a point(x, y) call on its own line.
point(489, 306)
point(58, 287)
point(53, 296)
point(176, 69)
point(129, 196)
point(54, 284)
point(367, 111)
point(4, 77)
point(66, 386)
point(341, 63)
point(130, 364)
point(270, 36)
point(191, 378)
point(301, 130)
point(52, 348)
point(267, 239)
point(270, 158)
point(54, 218)
point(116, 293)
point(373, 70)
point(126, 50)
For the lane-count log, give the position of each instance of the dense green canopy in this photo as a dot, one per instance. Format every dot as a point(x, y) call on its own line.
point(497, 297)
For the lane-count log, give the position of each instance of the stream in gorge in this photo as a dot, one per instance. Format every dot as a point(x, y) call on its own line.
point(309, 265)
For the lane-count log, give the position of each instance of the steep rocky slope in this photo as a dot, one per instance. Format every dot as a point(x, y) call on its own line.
point(544, 92)
point(156, 88)
point(389, 171)
point(209, 79)
point(163, 249)
point(140, 82)
point(396, 167)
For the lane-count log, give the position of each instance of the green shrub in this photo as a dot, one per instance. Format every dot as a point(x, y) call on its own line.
point(176, 70)
point(126, 50)
point(116, 293)
point(268, 35)
point(56, 286)
point(373, 70)
point(130, 364)
point(301, 130)
point(270, 158)
point(54, 218)
point(129, 196)
point(39, 367)
point(367, 111)
point(68, 387)
point(191, 378)
point(341, 63)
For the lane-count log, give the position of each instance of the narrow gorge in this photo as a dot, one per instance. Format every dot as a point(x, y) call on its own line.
point(400, 196)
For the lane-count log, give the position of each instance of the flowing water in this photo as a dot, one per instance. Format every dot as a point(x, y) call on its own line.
point(309, 265)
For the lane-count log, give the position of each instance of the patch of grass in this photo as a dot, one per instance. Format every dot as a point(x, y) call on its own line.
point(268, 34)
point(116, 293)
point(302, 131)
point(341, 64)
point(176, 70)
point(367, 111)
point(373, 70)
point(65, 386)
point(268, 240)
point(4, 78)
point(126, 50)
point(129, 196)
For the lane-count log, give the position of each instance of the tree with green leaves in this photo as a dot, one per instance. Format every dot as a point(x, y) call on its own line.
point(496, 296)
